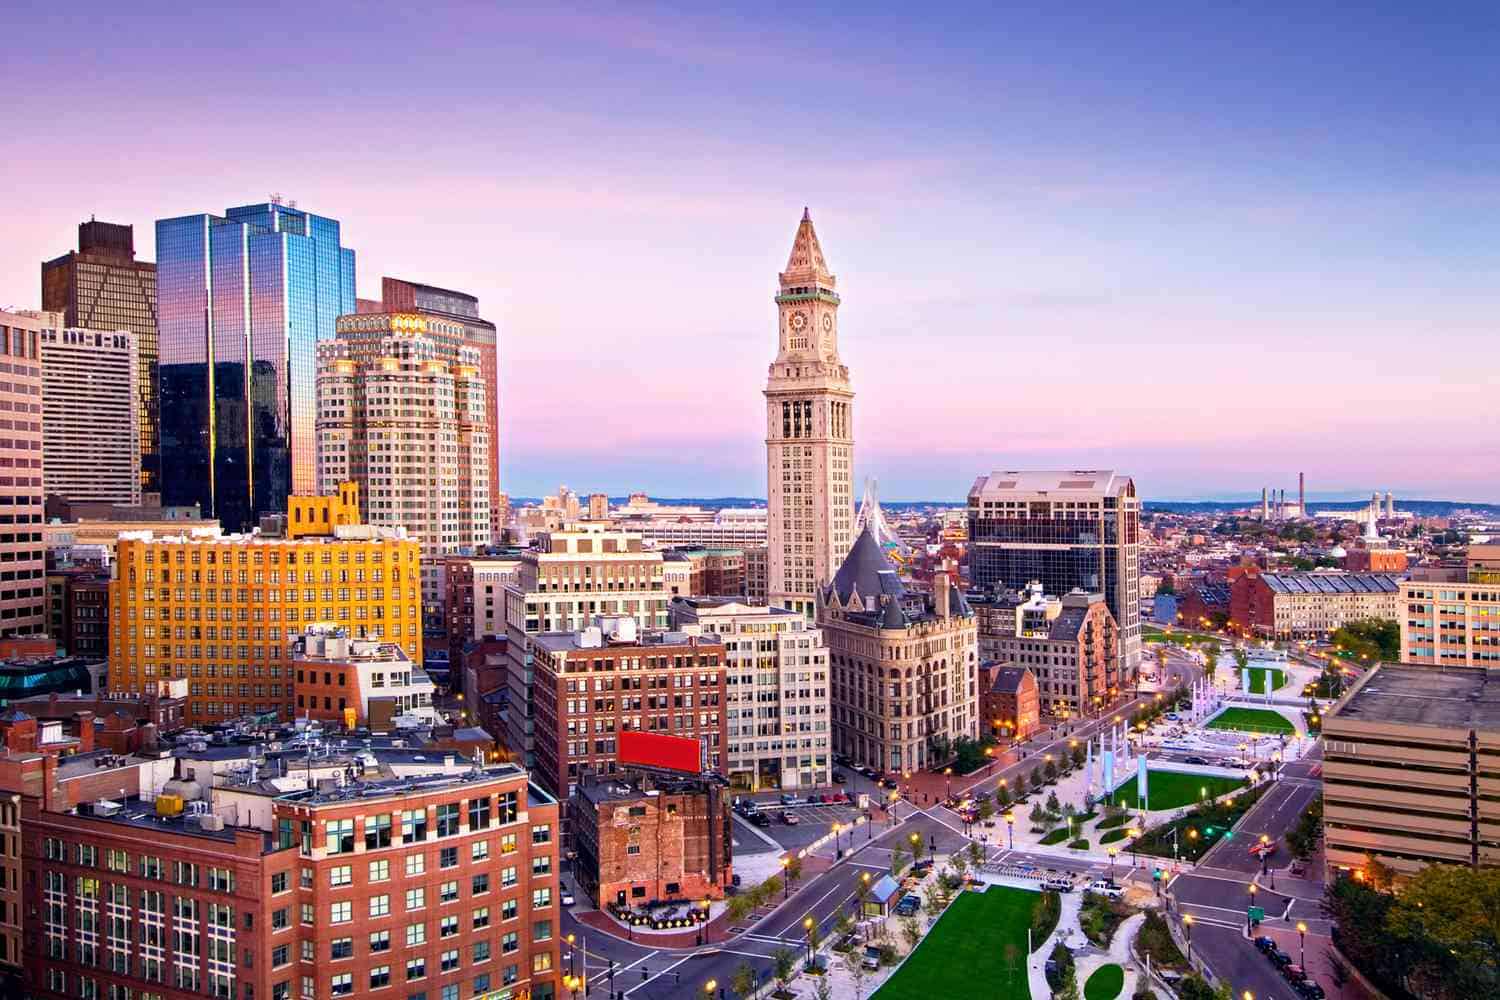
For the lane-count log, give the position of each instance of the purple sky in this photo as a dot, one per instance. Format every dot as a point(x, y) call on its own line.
point(1211, 249)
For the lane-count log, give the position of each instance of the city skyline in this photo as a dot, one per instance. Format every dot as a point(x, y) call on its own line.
point(1219, 256)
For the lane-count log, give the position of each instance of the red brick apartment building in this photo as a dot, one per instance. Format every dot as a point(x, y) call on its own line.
point(590, 685)
point(441, 887)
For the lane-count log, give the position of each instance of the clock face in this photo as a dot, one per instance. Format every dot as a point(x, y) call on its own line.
point(799, 321)
point(827, 322)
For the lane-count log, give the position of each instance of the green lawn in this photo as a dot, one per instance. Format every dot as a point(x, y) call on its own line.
point(1056, 836)
point(1105, 984)
point(1252, 720)
point(1118, 833)
point(1170, 789)
point(1258, 679)
point(963, 955)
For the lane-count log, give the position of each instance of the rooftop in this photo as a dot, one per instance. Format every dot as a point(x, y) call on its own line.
point(1079, 483)
point(1333, 583)
point(139, 813)
point(1447, 698)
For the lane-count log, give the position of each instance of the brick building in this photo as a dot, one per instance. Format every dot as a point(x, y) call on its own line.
point(642, 840)
point(1070, 643)
point(1309, 605)
point(1009, 701)
point(443, 883)
point(474, 599)
point(78, 611)
point(1369, 560)
point(365, 682)
point(590, 685)
point(1205, 605)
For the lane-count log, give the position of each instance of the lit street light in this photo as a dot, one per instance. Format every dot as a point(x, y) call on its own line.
point(1302, 942)
point(1010, 828)
point(1187, 924)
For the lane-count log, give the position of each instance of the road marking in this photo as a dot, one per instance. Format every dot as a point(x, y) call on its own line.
point(638, 961)
point(658, 975)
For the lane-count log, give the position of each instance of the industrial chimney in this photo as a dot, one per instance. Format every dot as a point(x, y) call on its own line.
point(1390, 504)
point(1265, 505)
point(1301, 494)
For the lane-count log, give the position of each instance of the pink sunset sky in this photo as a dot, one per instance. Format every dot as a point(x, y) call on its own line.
point(1061, 241)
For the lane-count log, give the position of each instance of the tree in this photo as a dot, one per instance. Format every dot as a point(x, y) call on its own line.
point(1079, 756)
point(745, 980)
point(1002, 796)
point(823, 989)
point(1069, 988)
point(1211, 662)
point(932, 900)
point(912, 931)
point(794, 870)
point(855, 963)
point(769, 888)
point(1050, 768)
point(976, 854)
point(1053, 808)
point(1456, 908)
point(898, 859)
point(917, 847)
point(1036, 779)
point(740, 907)
point(987, 810)
point(960, 865)
point(784, 962)
point(1038, 815)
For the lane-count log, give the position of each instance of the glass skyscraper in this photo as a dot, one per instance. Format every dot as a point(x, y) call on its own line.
point(242, 301)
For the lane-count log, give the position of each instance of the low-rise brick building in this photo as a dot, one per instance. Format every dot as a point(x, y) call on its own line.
point(1070, 643)
point(642, 840)
point(1309, 605)
point(1010, 705)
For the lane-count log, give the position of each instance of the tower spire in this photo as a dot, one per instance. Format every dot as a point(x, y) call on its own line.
point(805, 264)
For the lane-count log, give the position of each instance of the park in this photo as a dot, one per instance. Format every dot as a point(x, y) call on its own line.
point(1252, 720)
point(976, 949)
point(1172, 789)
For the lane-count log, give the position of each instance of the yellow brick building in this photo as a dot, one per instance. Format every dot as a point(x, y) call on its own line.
point(220, 611)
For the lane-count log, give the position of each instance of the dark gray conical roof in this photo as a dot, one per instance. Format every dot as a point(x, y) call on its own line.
point(868, 571)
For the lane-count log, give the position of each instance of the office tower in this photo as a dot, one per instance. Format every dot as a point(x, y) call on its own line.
point(101, 286)
point(1076, 530)
point(406, 418)
point(243, 300)
point(91, 409)
point(1069, 643)
point(809, 433)
point(777, 696)
point(560, 586)
point(905, 665)
point(272, 586)
point(23, 585)
point(480, 334)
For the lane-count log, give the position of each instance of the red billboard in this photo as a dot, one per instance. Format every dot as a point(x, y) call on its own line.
point(671, 753)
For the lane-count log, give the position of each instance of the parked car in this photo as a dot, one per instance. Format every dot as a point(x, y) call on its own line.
point(1297, 870)
point(872, 957)
point(909, 905)
point(759, 818)
point(1200, 761)
point(1104, 887)
point(1279, 958)
point(889, 783)
point(1294, 973)
point(1265, 945)
point(1058, 883)
point(1309, 990)
point(790, 818)
point(787, 798)
point(1172, 716)
point(566, 897)
point(838, 778)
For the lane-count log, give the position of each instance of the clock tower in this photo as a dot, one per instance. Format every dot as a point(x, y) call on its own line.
point(809, 433)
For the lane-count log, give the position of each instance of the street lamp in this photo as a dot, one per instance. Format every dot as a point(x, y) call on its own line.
point(1302, 943)
point(948, 776)
point(709, 987)
point(1134, 833)
point(703, 925)
point(891, 812)
point(1010, 828)
point(1187, 924)
point(1112, 852)
point(836, 843)
point(1252, 887)
point(786, 881)
point(807, 925)
point(571, 968)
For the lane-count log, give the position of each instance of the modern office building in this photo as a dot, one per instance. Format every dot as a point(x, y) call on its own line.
point(809, 433)
point(728, 528)
point(23, 584)
point(608, 678)
point(101, 286)
point(221, 611)
point(1071, 530)
point(561, 586)
point(776, 701)
point(1308, 605)
point(243, 300)
point(91, 421)
point(1070, 643)
point(447, 308)
point(404, 415)
point(904, 664)
point(1409, 757)
point(1454, 624)
point(442, 880)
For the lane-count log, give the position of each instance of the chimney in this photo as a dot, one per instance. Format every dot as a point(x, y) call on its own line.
point(1265, 505)
point(1301, 494)
point(85, 722)
point(1390, 504)
point(941, 594)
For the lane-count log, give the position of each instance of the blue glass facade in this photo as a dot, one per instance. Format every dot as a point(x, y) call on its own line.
point(243, 299)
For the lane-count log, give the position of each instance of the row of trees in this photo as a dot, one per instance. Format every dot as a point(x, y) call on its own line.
point(1372, 639)
point(1302, 839)
point(1438, 939)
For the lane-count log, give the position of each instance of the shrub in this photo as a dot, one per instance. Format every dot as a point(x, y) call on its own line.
point(1056, 836)
point(1155, 941)
point(1044, 917)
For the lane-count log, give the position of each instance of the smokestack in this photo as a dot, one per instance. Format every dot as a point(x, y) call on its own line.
point(1265, 505)
point(1390, 504)
point(1301, 494)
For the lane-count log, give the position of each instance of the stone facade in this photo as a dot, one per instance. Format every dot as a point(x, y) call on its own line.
point(809, 433)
